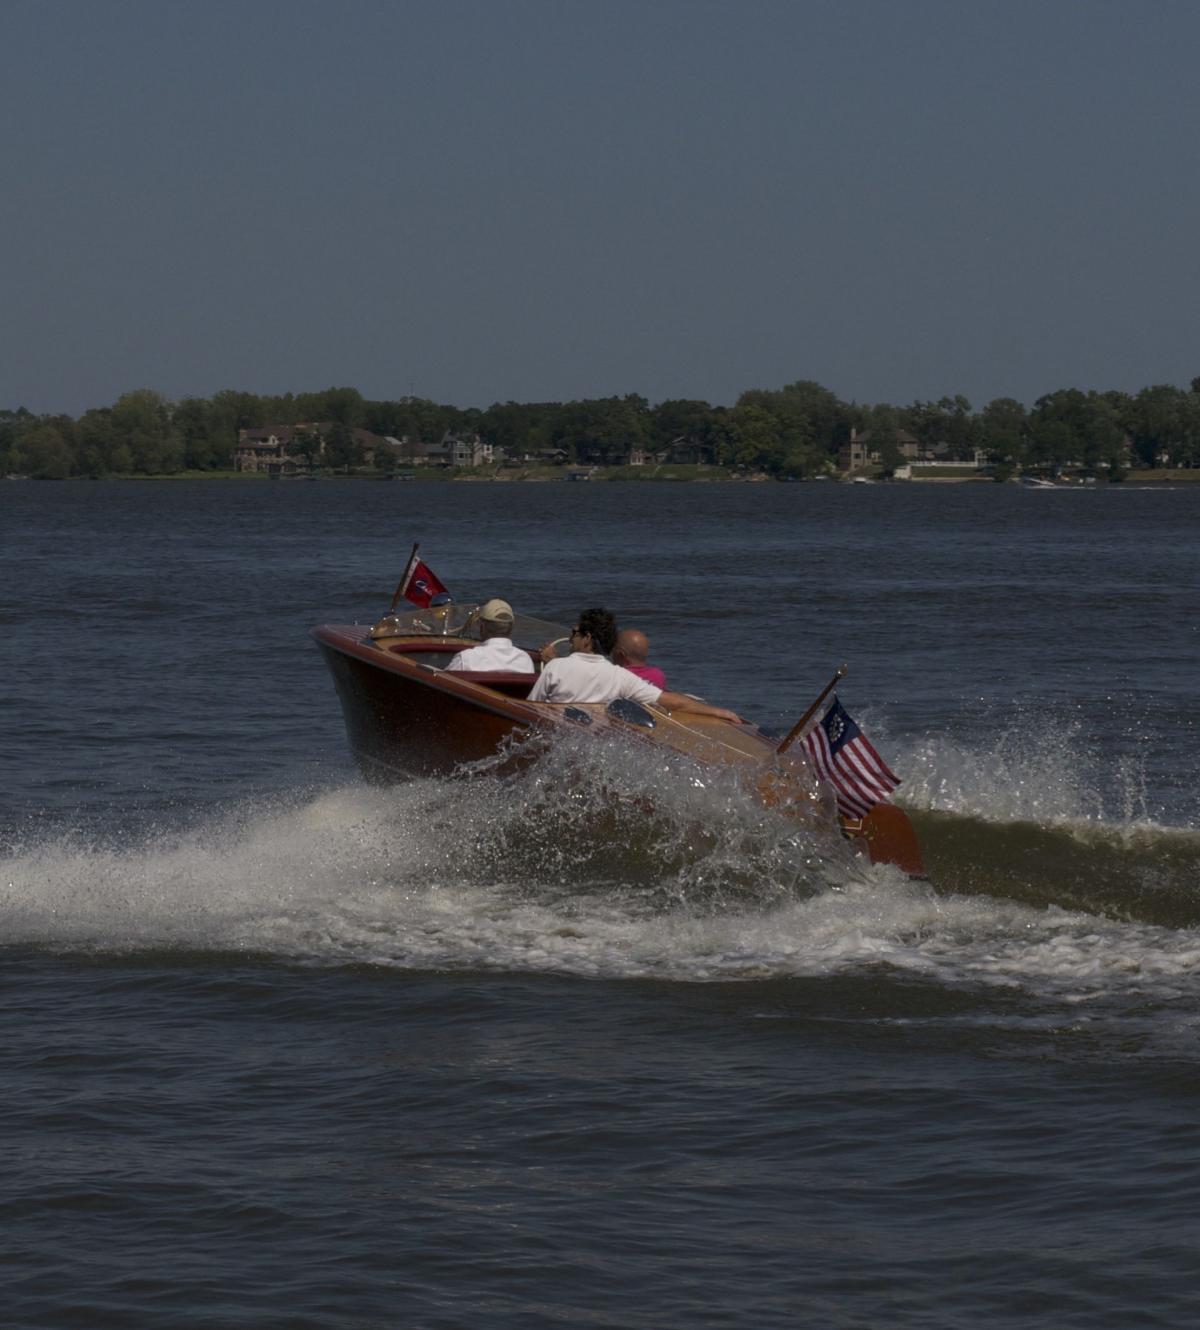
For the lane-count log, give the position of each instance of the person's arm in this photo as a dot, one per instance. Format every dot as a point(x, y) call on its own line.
point(549, 650)
point(540, 692)
point(693, 705)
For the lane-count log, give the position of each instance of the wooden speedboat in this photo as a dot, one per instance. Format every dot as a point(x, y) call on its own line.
point(407, 715)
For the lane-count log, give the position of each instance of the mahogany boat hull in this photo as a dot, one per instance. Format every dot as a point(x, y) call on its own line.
point(407, 717)
point(402, 721)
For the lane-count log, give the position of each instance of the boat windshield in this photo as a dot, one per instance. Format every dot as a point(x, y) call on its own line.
point(460, 621)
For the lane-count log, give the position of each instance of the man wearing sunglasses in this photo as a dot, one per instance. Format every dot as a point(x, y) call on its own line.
point(586, 675)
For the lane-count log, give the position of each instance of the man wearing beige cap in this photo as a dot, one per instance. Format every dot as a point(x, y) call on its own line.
point(495, 650)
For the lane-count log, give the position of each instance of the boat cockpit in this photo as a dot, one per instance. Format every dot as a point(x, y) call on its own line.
point(431, 637)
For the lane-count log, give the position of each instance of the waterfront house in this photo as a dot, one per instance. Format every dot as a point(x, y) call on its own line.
point(286, 449)
point(458, 450)
point(860, 451)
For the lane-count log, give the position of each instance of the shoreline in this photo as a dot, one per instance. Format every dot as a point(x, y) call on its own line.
point(629, 475)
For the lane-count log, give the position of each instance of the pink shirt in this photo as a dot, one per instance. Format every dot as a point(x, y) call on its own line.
point(651, 674)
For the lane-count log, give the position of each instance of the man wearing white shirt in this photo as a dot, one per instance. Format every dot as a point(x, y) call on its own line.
point(587, 676)
point(495, 651)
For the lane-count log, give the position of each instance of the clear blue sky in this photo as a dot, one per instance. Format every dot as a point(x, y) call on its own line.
point(478, 200)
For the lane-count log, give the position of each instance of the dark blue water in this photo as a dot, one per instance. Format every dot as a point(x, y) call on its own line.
point(283, 1050)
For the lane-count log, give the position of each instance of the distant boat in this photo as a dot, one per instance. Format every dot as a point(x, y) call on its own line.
point(1035, 483)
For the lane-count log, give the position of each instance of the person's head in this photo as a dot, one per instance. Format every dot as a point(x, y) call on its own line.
point(631, 648)
point(596, 631)
point(496, 619)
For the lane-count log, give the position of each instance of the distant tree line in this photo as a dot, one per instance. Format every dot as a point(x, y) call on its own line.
point(796, 430)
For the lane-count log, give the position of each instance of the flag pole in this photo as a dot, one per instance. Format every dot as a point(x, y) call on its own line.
point(408, 567)
point(798, 729)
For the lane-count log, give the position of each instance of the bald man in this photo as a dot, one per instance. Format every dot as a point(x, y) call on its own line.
point(589, 675)
point(631, 651)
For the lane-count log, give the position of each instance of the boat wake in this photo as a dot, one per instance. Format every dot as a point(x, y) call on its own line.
point(619, 864)
point(1136, 873)
point(1038, 819)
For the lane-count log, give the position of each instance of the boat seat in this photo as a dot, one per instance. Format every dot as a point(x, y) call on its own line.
point(432, 655)
point(436, 654)
point(508, 682)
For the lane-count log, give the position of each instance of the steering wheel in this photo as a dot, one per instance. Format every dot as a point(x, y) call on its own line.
point(556, 643)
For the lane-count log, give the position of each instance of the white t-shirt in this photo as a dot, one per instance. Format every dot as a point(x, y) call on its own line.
point(584, 677)
point(497, 653)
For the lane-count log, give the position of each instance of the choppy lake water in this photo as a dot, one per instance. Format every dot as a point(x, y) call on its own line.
point(286, 1050)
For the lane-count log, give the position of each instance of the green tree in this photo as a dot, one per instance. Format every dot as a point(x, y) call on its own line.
point(419, 418)
point(384, 418)
point(306, 444)
point(342, 449)
point(1189, 442)
point(521, 427)
point(11, 425)
point(680, 418)
point(1004, 435)
point(100, 451)
point(1161, 425)
point(1104, 445)
point(1074, 427)
point(233, 411)
point(341, 405)
point(884, 426)
point(826, 418)
point(207, 444)
point(604, 429)
point(43, 453)
point(1051, 444)
point(278, 409)
point(141, 421)
point(755, 437)
point(811, 424)
point(947, 423)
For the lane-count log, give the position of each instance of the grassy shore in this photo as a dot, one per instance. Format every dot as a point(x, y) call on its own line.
point(640, 474)
point(477, 474)
point(1164, 476)
point(663, 472)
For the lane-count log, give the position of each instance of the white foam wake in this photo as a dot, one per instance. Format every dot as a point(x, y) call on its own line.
point(538, 876)
point(1033, 771)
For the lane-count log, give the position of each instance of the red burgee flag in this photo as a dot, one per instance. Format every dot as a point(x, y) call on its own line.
point(419, 584)
point(846, 758)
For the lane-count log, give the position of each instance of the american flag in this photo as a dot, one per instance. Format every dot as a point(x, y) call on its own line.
point(844, 756)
